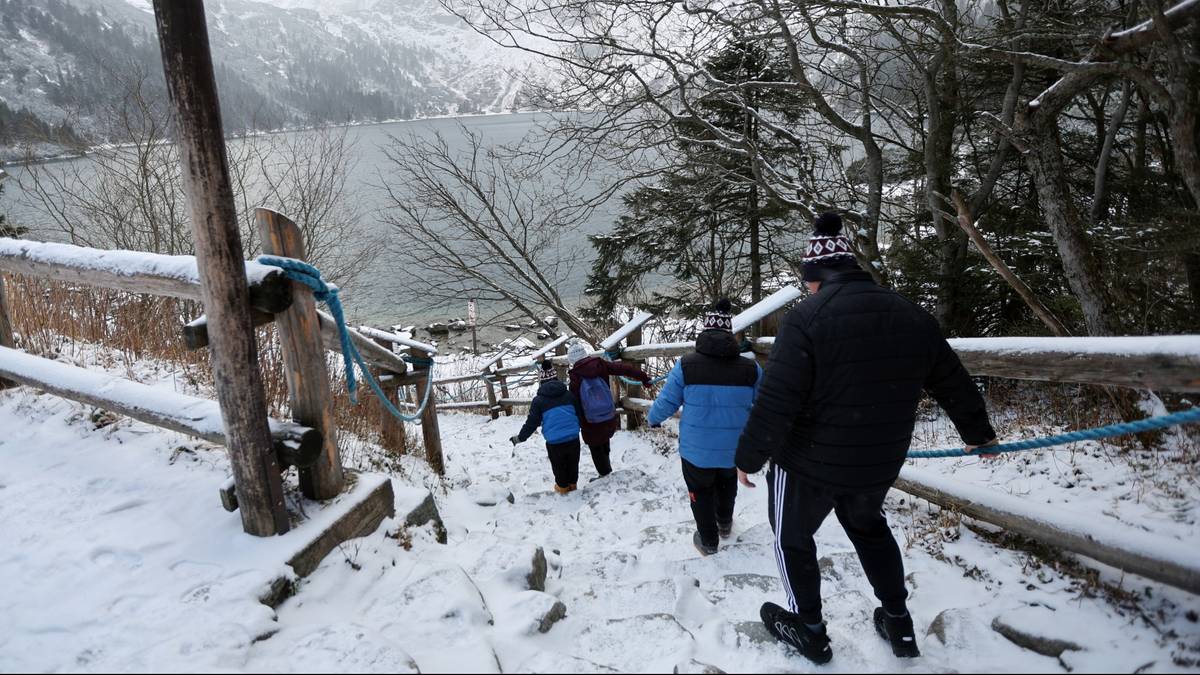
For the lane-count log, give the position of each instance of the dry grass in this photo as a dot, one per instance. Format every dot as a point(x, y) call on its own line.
point(59, 320)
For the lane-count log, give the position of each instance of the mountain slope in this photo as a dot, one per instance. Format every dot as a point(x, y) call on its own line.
point(73, 62)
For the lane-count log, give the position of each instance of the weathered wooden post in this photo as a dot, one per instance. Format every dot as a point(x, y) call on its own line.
point(561, 370)
point(7, 337)
point(503, 385)
point(493, 401)
point(429, 421)
point(304, 360)
point(392, 435)
point(187, 64)
point(633, 419)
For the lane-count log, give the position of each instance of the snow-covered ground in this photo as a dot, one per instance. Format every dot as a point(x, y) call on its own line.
point(117, 556)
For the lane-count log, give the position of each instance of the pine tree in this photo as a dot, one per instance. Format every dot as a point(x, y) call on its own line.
point(706, 223)
point(7, 230)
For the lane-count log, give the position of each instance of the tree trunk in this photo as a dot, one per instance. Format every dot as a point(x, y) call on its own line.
point(1191, 263)
point(755, 221)
point(1069, 230)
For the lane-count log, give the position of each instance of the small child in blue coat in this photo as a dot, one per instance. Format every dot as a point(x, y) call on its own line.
point(556, 411)
point(716, 388)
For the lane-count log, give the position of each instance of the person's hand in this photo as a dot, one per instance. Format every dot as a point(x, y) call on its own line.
point(515, 440)
point(744, 479)
point(978, 449)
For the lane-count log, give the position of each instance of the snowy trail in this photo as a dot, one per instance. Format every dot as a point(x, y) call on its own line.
point(640, 599)
point(111, 533)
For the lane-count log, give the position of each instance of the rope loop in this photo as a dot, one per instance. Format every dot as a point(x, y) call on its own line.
point(327, 293)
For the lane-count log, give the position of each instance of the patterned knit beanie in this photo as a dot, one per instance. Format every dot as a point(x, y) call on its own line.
point(828, 248)
point(720, 317)
point(547, 373)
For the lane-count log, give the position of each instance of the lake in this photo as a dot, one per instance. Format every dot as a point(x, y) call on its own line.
point(378, 296)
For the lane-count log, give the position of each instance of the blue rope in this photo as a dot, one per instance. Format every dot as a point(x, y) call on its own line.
point(298, 270)
point(1190, 416)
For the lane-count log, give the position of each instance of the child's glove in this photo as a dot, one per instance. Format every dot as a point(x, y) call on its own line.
point(515, 440)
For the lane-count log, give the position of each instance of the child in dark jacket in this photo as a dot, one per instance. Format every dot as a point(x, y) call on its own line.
point(556, 411)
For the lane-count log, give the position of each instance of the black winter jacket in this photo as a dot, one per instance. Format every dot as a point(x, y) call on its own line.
point(838, 402)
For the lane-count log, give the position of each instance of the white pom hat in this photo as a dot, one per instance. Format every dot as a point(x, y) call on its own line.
point(576, 353)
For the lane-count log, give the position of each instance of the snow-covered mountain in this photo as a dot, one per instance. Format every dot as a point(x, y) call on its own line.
point(279, 63)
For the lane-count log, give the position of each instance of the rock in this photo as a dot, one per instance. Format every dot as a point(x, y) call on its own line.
point(948, 626)
point(458, 326)
point(348, 647)
point(552, 662)
point(759, 582)
point(492, 495)
point(753, 633)
point(445, 594)
point(520, 565)
point(438, 329)
point(537, 612)
point(1038, 630)
point(417, 508)
point(551, 321)
point(694, 667)
point(537, 573)
point(638, 643)
point(513, 328)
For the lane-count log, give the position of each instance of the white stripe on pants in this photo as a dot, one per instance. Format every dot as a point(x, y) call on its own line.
point(779, 487)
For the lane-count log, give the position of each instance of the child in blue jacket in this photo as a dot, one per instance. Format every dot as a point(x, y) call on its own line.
point(715, 386)
point(556, 411)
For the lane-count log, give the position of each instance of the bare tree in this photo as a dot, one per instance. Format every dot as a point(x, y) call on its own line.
point(478, 223)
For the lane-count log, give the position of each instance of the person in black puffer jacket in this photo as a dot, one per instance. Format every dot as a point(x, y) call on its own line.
point(834, 417)
point(556, 411)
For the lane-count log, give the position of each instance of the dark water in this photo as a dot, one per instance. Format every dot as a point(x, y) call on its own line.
point(378, 295)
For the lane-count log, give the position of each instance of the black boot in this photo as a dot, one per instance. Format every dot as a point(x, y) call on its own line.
point(725, 529)
point(704, 549)
point(899, 632)
point(789, 629)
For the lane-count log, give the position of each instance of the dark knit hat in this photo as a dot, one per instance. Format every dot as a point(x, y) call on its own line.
point(720, 317)
point(828, 249)
point(547, 372)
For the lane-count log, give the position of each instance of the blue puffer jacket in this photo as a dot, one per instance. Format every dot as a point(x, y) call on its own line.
point(716, 388)
point(555, 411)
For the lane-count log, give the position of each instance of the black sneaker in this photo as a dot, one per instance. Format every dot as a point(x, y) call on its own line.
point(789, 629)
point(899, 632)
point(705, 550)
point(725, 529)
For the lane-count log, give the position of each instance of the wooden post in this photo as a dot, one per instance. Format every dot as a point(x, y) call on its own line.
point(493, 401)
point(304, 360)
point(192, 88)
point(429, 422)
point(503, 385)
point(392, 435)
point(7, 337)
point(562, 370)
point(633, 420)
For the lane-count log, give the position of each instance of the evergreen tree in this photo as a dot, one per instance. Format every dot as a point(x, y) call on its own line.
point(7, 230)
point(706, 223)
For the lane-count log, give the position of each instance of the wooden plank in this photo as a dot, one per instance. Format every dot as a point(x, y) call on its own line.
point(294, 444)
point(1158, 558)
point(766, 307)
point(304, 360)
point(1157, 363)
point(640, 319)
point(392, 435)
point(370, 510)
point(493, 400)
point(549, 347)
point(376, 334)
point(136, 272)
point(195, 336)
point(192, 89)
point(370, 350)
point(7, 336)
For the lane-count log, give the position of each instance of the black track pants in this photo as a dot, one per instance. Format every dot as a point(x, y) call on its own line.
point(797, 511)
